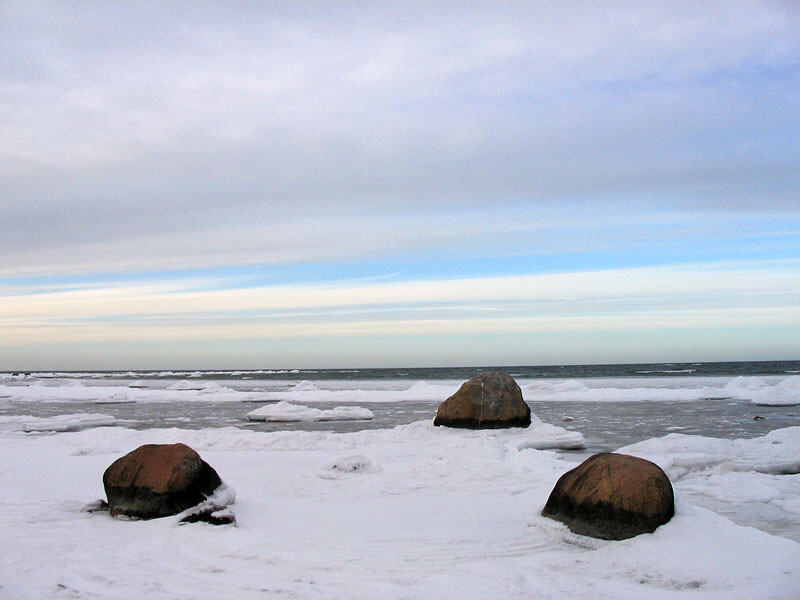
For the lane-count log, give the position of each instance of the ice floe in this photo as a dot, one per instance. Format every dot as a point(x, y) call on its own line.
point(73, 422)
point(286, 411)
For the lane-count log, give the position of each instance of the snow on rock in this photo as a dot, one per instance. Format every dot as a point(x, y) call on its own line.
point(73, 422)
point(286, 411)
point(347, 465)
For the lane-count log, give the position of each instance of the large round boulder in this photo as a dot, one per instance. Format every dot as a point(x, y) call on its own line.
point(158, 480)
point(613, 497)
point(490, 400)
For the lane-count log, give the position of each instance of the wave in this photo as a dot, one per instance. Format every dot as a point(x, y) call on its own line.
point(772, 390)
point(754, 389)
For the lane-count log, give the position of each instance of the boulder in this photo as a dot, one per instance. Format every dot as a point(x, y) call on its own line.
point(612, 497)
point(490, 400)
point(158, 480)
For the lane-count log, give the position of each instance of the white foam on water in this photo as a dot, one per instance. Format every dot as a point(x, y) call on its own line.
point(767, 390)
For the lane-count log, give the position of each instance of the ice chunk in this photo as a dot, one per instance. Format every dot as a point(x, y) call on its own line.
point(778, 452)
point(73, 422)
point(543, 436)
point(185, 385)
point(286, 411)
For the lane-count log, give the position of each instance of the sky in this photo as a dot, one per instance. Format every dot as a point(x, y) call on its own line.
point(323, 184)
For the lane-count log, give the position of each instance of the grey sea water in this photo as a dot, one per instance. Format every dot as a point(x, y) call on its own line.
point(606, 423)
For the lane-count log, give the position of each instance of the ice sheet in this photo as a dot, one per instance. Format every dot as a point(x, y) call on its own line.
point(754, 481)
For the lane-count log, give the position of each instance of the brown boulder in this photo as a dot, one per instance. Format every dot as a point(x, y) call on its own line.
point(490, 400)
point(613, 497)
point(158, 480)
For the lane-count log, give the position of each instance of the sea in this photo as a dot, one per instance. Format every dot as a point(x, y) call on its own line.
point(611, 405)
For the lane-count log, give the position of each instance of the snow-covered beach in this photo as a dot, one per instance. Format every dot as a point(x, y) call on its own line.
point(409, 511)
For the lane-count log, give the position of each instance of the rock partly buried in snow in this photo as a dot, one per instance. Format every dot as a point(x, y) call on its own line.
point(490, 400)
point(613, 497)
point(347, 465)
point(158, 480)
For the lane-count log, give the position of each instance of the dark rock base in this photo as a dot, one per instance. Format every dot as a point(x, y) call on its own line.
point(142, 503)
point(484, 424)
point(600, 520)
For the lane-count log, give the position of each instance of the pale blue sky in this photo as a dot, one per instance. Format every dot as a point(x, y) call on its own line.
point(409, 184)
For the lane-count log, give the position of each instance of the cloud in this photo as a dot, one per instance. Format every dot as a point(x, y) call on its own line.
point(700, 296)
point(160, 136)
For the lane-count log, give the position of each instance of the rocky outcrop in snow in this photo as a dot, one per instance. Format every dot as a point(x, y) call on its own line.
point(613, 497)
point(158, 480)
point(490, 400)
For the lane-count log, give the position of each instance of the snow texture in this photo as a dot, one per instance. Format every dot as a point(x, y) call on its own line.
point(451, 513)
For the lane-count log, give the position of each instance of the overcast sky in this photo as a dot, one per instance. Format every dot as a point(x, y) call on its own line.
point(319, 184)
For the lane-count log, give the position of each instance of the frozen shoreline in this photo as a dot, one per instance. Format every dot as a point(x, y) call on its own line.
point(769, 390)
point(439, 513)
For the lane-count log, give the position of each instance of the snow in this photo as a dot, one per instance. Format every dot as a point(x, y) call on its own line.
point(750, 480)
point(347, 465)
point(285, 411)
point(75, 391)
point(542, 436)
point(771, 390)
point(73, 422)
point(416, 511)
point(368, 391)
point(678, 454)
point(786, 393)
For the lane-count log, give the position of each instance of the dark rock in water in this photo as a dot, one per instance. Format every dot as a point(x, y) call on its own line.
point(490, 400)
point(208, 512)
point(613, 497)
point(157, 481)
point(758, 418)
